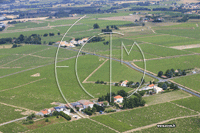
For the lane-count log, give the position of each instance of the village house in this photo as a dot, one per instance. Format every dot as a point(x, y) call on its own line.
point(60, 108)
point(44, 112)
point(124, 83)
point(118, 99)
point(149, 87)
point(157, 89)
point(86, 103)
point(102, 103)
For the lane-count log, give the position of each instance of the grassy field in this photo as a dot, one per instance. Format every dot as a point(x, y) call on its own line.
point(27, 25)
point(150, 51)
point(169, 40)
point(9, 113)
point(190, 81)
point(119, 72)
point(183, 62)
point(165, 97)
point(182, 126)
point(83, 126)
point(13, 128)
point(196, 50)
point(142, 116)
point(187, 103)
point(40, 94)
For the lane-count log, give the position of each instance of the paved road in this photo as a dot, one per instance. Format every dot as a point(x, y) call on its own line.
point(13, 121)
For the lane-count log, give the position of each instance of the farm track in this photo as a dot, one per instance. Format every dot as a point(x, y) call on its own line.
point(35, 29)
point(85, 81)
point(22, 85)
point(167, 57)
point(12, 121)
point(184, 107)
point(104, 125)
point(23, 57)
point(35, 67)
point(162, 122)
point(33, 111)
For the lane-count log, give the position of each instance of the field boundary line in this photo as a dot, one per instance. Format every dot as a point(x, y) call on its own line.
point(18, 107)
point(13, 60)
point(173, 99)
point(104, 125)
point(184, 86)
point(35, 67)
point(23, 57)
point(143, 69)
point(12, 121)
point(184, 107)
point(22, 85)
point(168, 57)
point(162, 122)
point(85, 81)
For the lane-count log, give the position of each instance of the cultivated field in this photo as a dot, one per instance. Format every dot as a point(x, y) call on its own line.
point(190, 81)
point(139, 117)
point(165, 46)
point(184, 125)
point(84, 126)
point(186, 102)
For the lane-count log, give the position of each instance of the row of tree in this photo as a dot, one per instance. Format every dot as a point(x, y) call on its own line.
point(133, 102)
point(95, 108)
point(166, 85)
point(50, 34)
point(61, 113)
point(172, 73)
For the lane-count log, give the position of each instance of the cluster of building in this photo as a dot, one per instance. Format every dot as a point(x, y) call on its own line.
point(2, 25)
point(72, 42)
point(81, 104)
point(153, 87)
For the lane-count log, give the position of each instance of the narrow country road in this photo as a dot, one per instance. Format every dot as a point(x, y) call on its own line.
point(12, 121)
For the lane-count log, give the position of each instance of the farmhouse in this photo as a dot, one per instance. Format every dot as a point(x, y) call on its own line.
point(59, 108)
point(102, 103)
point(157, 89)
point(118, 99)
point(149, 87)
point(86, 103)
point(44, 112)
point(65, 44)
point(124, 83)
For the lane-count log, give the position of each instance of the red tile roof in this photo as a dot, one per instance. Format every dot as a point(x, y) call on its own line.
point(45, 111)
point(151, 85)
point(118, 96)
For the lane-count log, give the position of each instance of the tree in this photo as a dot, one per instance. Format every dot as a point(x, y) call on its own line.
point(45, 35)
point(21, 38)
point(164, 86)
point(77, 108)
point(58, 33)
point(183, 72)
point(160, 73)
point(122, 93)
point(71, 110)
point(94, 109)
point(14, 45)
point(142, 81)
point(47, 120)
point(116, 84)
point(96, 26)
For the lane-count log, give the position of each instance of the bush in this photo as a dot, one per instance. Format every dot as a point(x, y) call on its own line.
point(47, 120)
point(67, 117)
